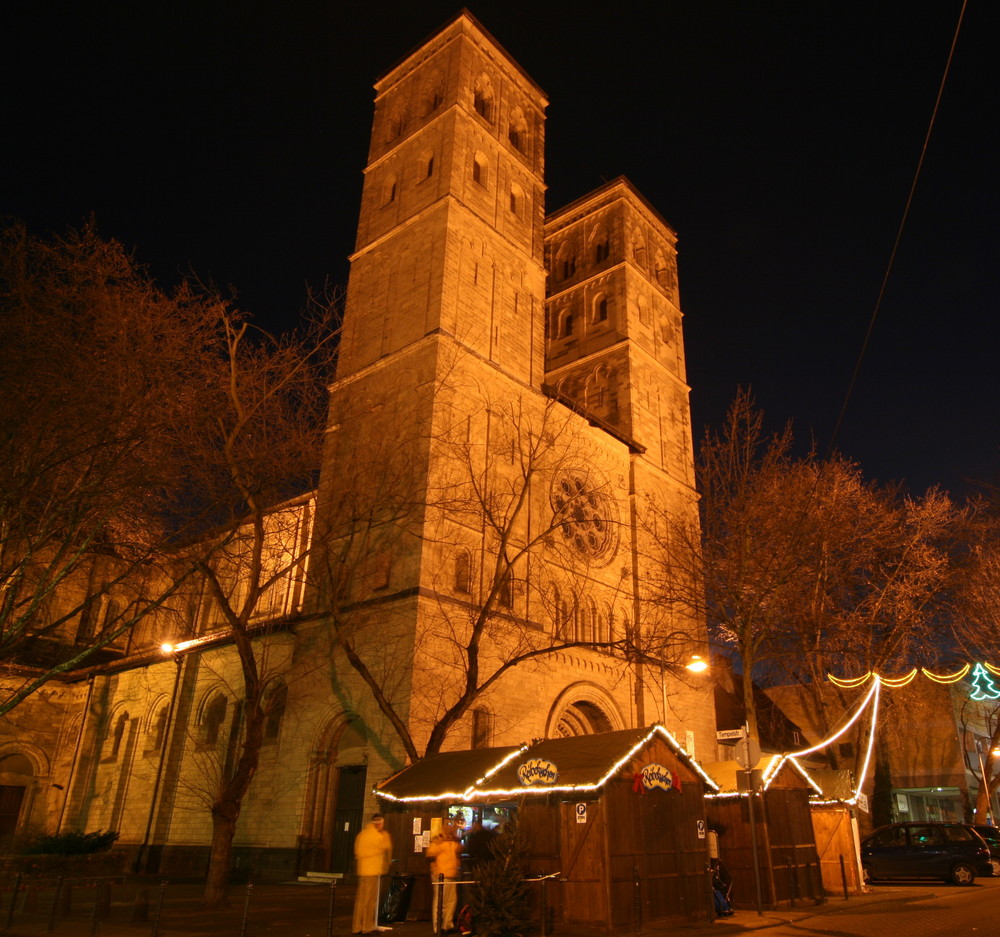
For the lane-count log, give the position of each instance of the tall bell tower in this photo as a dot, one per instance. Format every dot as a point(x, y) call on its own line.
point(450, 235)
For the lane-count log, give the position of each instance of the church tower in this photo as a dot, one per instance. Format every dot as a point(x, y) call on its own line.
point(615, 346)
point(450, 235)
point(489, 457)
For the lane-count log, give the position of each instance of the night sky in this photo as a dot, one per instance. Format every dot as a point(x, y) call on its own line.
point(779, 139)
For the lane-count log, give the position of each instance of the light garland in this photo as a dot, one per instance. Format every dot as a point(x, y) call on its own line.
point(475, 792)
point(467, 794)
point(946, 677)
point(850, 683)
point(871, 746)
point(775, 765)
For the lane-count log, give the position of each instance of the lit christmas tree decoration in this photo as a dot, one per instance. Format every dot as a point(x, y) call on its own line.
point(983, 686)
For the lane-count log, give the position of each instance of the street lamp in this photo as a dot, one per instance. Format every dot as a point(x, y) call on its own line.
point(694, 664)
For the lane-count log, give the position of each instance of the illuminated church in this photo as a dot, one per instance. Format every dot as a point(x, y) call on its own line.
point(509, 431)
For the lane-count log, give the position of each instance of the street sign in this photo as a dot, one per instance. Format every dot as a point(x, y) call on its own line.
point(581, 813)
point(730, 735)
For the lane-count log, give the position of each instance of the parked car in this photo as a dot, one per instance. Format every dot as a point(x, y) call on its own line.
point(992, 836)
point(954, 852)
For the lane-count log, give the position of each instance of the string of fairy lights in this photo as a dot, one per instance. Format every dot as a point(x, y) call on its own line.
point(984, 689)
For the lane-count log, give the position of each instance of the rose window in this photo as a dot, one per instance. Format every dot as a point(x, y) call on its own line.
point(584, 517)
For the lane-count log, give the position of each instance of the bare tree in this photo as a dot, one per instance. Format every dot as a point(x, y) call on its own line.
point(98, 368)
point(258, 446)
point(976, 606)
point(808, 569)
point(151, 446)
point(494, 509)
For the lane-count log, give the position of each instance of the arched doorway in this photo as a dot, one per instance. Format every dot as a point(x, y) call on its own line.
point(583, 709)
point(16, 775)
point(336, 798)
point(582, 718)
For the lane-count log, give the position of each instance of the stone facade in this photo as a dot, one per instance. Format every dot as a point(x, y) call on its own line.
point(509, 402)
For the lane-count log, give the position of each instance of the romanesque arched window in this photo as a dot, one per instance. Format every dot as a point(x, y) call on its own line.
point(601, 245)
point(482, 98)
point(156, 731)
point(433, 95)
point(389, 190)
point(275, 703)
point(516, 199)
point(480, 170)
point(600, 308)
point(639, 248)
point(395, 125)
point(664, 271)
point(482, 725)
point(565, 263)
point(212, 718)
point(463, 572)
point(517, 130)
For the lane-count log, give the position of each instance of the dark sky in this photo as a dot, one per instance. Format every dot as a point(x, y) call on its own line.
point(778, 138)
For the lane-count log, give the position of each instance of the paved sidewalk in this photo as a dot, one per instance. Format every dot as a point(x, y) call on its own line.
point(137, 909)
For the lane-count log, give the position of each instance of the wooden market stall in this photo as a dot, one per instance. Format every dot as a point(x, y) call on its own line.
point(618, 818)
point(788, 863)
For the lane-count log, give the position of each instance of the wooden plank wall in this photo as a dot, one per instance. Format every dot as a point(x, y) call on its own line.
point(786, 847)
point(792, 846)
point(653, 838)
point(834, 835)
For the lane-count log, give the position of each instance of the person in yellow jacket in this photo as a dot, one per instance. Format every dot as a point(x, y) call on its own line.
point(445, 853)
point(373, 851)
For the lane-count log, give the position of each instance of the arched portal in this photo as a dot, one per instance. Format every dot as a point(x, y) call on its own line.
point(335, 797)
point(583, 709)
point(16, 775)
point(582, 718)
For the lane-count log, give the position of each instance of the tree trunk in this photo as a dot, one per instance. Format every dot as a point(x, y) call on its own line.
point(983, 803)
point(220, 861)
point(881, 803)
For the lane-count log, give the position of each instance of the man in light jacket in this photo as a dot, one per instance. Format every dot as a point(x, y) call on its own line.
point(373, 851)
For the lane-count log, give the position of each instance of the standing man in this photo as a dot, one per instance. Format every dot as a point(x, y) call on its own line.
point(445, 853)
point(372, 850)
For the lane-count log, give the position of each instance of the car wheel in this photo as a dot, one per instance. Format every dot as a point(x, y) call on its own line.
point(996, 867)
point(866, 873)
point(963, 874)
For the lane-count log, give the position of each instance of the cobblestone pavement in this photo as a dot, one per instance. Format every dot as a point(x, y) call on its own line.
point(910, 910)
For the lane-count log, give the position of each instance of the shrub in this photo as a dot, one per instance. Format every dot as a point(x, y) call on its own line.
point(70, 843)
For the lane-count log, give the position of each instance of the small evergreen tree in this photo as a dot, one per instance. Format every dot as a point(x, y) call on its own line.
point(499, 899)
